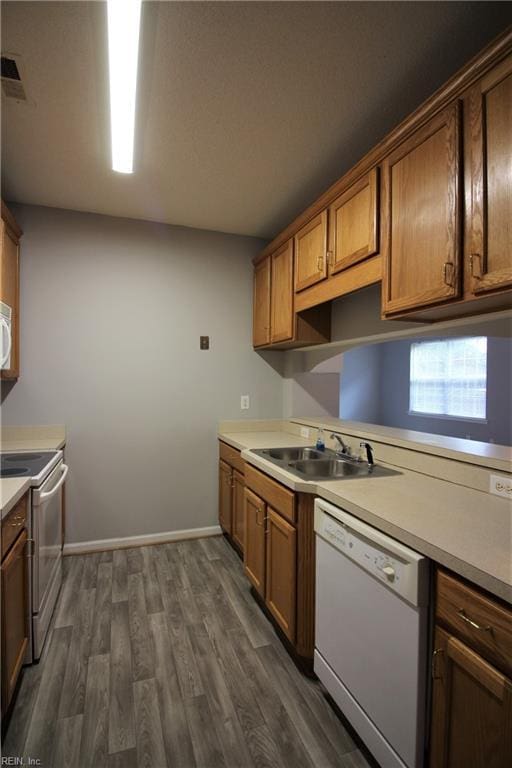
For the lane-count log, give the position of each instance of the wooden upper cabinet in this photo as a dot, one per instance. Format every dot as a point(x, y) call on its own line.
point(490, 247)
point(9, 289)
point(421, 233)
point(261, 303)
point(254, 540)
point(311, 252)
point(353, 224)
point(281, 315)
point(471, 709)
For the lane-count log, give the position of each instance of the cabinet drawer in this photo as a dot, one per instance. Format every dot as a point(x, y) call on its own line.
point(13, 524)
point(485, 625)
point(276, 495)
point(231, 456)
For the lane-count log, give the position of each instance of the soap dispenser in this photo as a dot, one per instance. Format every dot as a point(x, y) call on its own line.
point(320, 440)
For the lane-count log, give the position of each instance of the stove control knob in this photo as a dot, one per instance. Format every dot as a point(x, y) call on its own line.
point(389, 572)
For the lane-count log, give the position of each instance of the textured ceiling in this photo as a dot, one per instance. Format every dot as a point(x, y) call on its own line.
point(246, 111)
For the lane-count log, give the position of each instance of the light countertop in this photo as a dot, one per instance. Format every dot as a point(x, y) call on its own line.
point(467, 531)
point(25, 438)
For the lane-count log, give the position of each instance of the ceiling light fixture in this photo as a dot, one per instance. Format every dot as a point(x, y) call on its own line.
point(123, 54)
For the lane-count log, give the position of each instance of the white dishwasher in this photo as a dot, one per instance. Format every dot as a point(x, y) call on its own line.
point(371, 634)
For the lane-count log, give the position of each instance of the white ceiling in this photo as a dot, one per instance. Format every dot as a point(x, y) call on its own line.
point(246, 111)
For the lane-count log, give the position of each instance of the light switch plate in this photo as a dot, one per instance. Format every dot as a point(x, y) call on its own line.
point(501, 486)
point(244, 402)
point(304, 432)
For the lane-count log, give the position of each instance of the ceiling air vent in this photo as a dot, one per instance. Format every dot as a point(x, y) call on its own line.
point(11, 79)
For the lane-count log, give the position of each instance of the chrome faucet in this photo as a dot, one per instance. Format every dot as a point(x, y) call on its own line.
point(342, 448)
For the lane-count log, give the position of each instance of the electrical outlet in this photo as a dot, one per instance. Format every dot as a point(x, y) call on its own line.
point(500, 486)
point(244, 402)
point(304, 432)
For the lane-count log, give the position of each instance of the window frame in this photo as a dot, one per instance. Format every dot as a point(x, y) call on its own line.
point(448, 416)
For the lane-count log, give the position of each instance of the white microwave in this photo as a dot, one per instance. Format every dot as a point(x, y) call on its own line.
point(5, 336)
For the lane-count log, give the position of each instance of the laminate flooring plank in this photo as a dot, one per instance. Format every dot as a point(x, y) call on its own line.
point(178, 744)
point(226, 723)
point(151, 586)
point(94, 743)
point(126, 759)
point(67, 605)
point(150, 743)
point(258, 678)
point(107, 556)
point(245, 702)
point(207, 748)
point(262, 748)
point(41, 732)
point(121, 732)
point(100, 641)
point(15, 737)
point(319, 748)
point(90, 571)
point(73, 691)
point(186, 666)
point(143, 664)
point(66, 753)
point(210, 547)
point(120, 577)
point(134, 560)
point(256, 626)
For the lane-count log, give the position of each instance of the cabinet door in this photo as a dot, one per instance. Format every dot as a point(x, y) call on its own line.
point(238, 515)
point(254, 541)
point(281, 587)
point(490, 257)
point(311, 252)
point(353, 224)
point(471, 709)
point(281, 317)
point(421, 219)
point(225, 496)
point(261, 304)
point(9, 294)
point(14, 593)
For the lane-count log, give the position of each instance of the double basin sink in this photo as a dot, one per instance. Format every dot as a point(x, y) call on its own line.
point(312, 464)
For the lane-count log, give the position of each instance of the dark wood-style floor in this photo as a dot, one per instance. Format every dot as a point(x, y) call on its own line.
point(159, 657)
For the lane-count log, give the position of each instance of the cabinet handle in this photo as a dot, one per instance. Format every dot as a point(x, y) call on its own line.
point(330, 259)
point(446, 265)
point(435, 675)
point(258, 510)
point(320, 263)
point(473, 258)
point(462, 614)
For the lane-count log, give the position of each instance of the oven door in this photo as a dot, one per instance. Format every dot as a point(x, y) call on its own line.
point(47, 534)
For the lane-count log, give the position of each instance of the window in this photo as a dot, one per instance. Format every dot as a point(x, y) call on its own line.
point(449, 377)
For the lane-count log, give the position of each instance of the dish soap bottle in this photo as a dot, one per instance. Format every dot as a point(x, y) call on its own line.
point(320, 440)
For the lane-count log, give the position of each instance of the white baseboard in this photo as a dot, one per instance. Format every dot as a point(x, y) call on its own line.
point(84, 547)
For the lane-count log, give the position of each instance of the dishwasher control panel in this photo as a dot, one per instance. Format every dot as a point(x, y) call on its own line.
point(385, 559)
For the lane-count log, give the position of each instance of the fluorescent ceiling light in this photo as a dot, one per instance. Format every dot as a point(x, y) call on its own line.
point(123, 54)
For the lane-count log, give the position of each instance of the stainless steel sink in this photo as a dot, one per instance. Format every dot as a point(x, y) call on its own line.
point(293, 454)
point(310, 464)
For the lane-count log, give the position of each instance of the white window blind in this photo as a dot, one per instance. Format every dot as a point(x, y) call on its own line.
point(449, 377)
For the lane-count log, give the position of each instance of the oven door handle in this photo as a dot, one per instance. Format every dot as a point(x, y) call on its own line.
point(6, 328)
point(48, 494)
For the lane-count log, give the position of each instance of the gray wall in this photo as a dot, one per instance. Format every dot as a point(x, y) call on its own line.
point(112, 311)
point(387, 367)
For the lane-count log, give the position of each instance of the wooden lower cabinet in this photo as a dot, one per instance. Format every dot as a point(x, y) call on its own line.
point(254, 542)
point(15, 631)
point(472, 708)
point(225, 472)
point(280, 580)
point(237, 509)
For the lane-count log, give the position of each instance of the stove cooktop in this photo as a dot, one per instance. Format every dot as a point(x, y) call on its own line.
point(25, 464)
